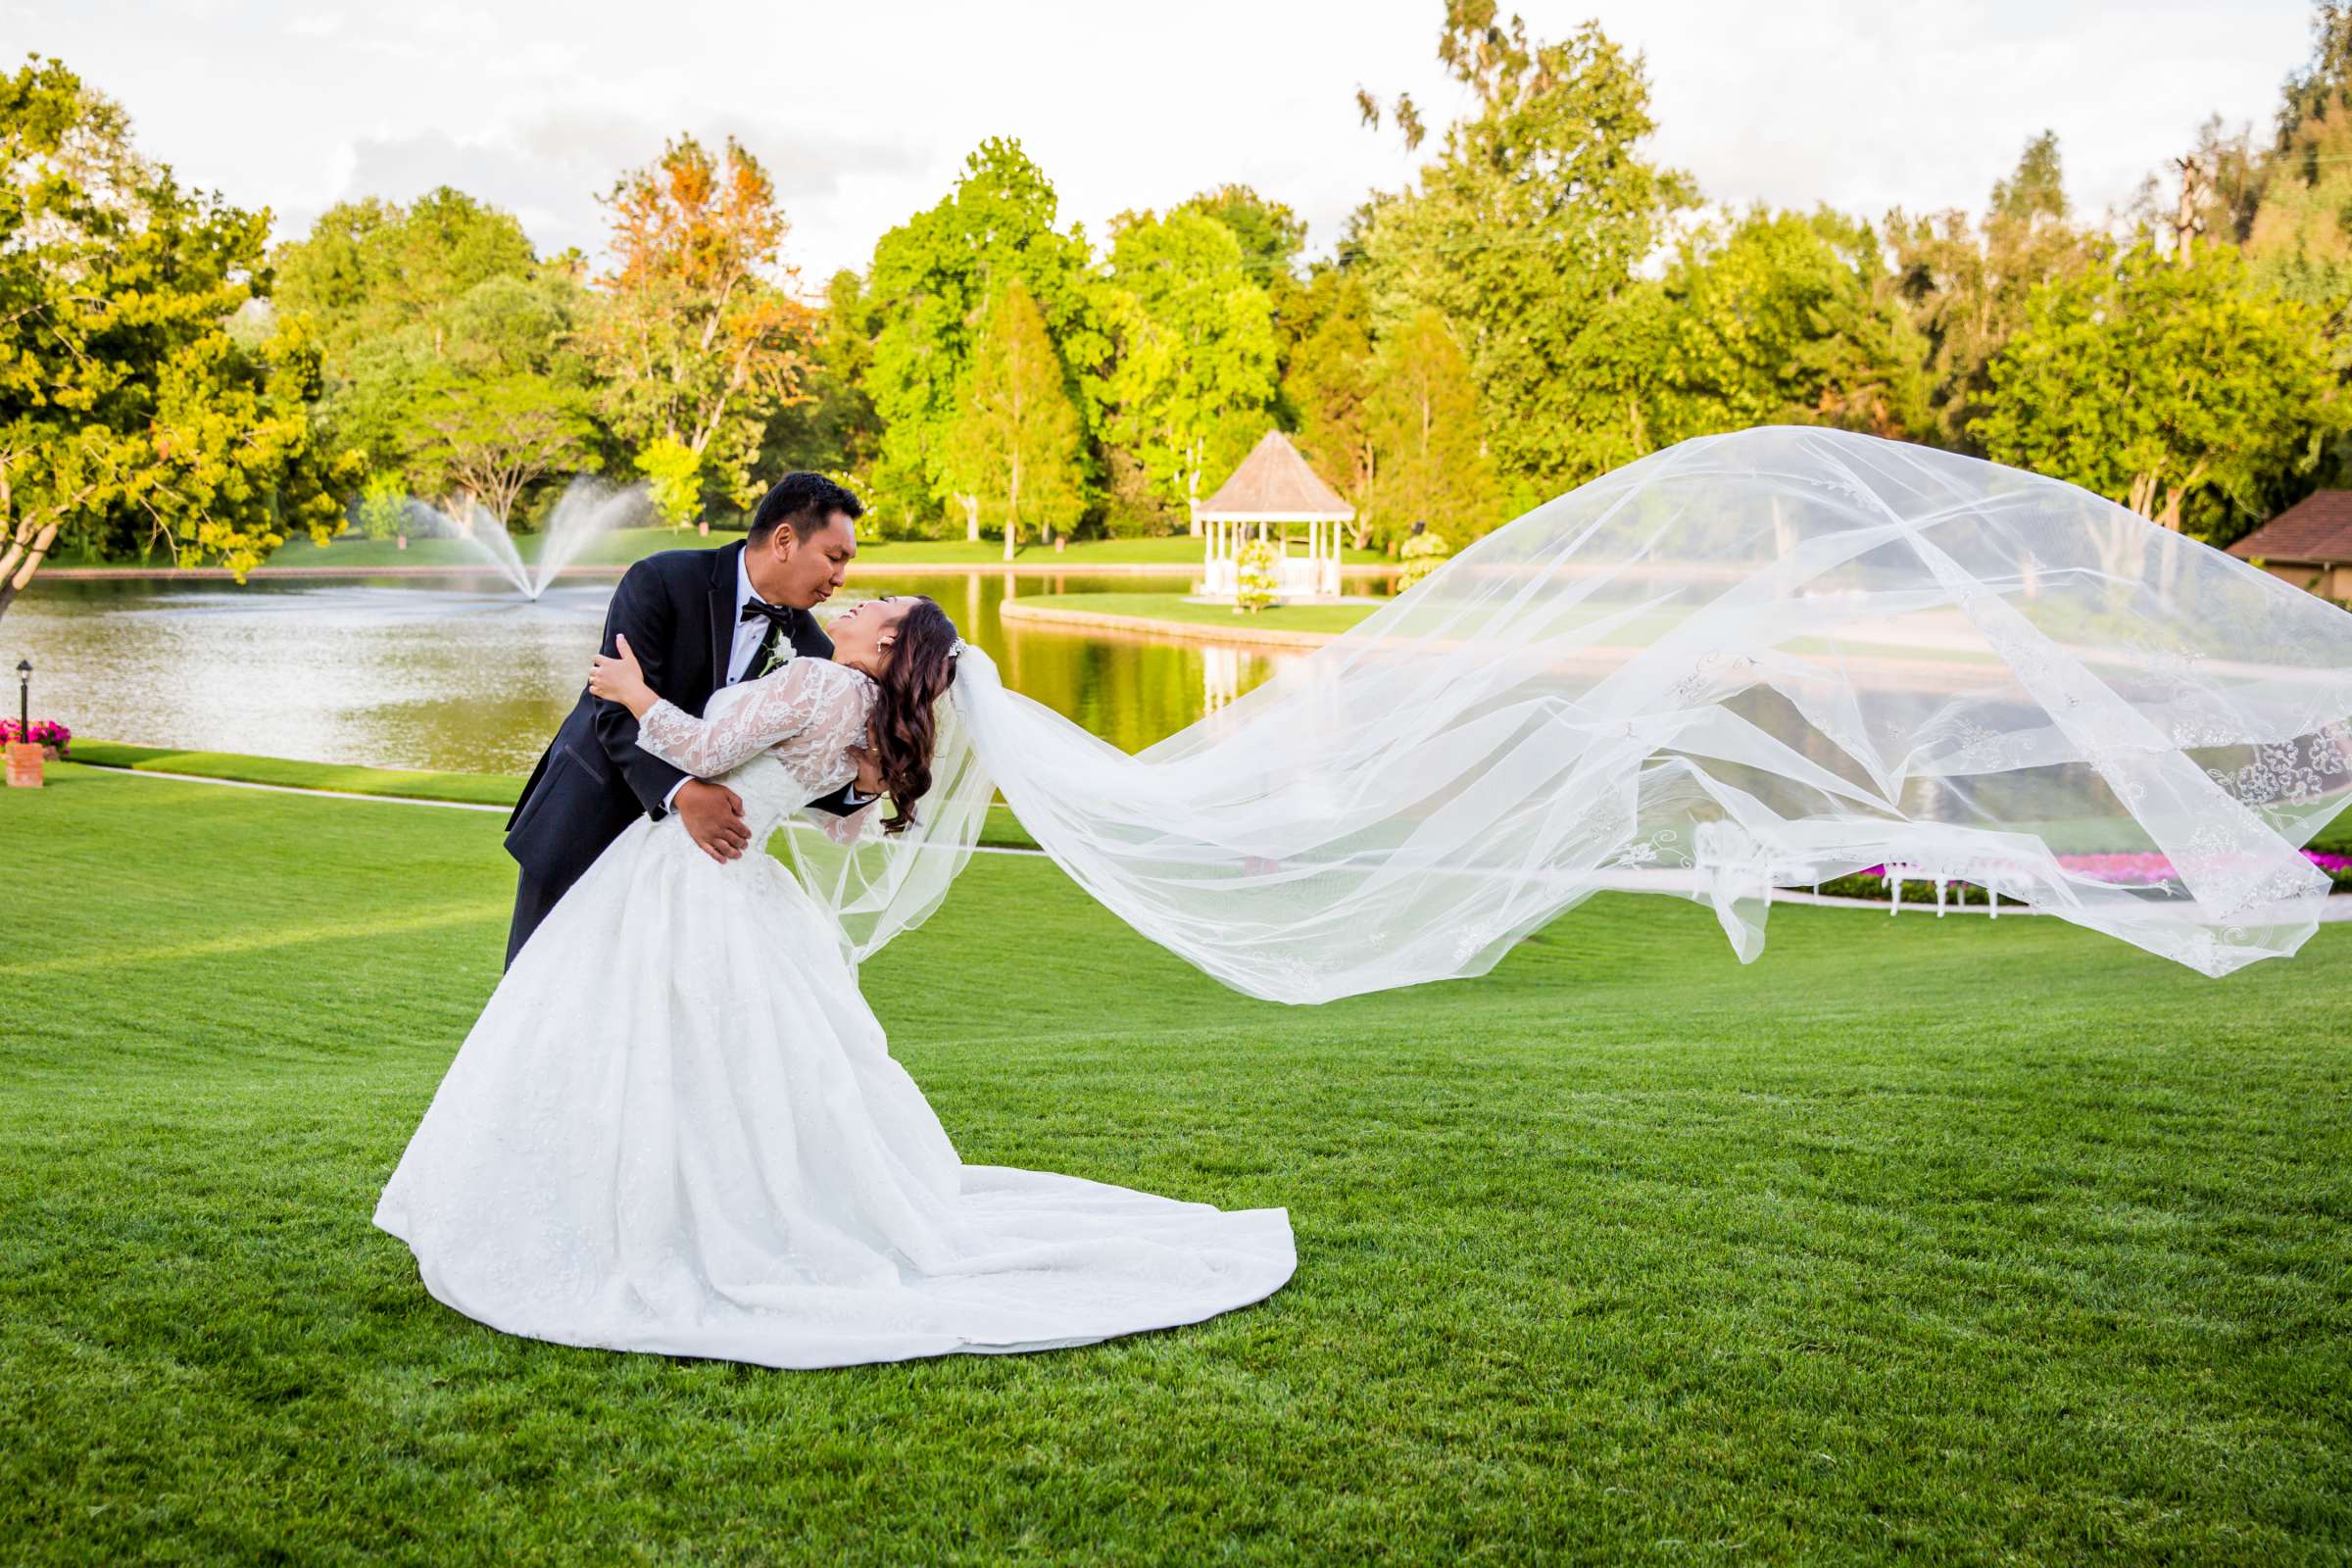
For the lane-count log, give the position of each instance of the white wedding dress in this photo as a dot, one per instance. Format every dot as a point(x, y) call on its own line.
point(676, 1127)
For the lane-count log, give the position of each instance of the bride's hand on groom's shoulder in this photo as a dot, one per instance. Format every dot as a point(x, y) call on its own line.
point(619, 678)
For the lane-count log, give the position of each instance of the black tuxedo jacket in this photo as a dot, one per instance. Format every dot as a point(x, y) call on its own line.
point(678, 610)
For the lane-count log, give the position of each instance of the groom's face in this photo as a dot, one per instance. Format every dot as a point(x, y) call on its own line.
point(787, 570)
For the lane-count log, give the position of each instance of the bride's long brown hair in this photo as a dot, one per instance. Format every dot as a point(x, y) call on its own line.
point(917, 671)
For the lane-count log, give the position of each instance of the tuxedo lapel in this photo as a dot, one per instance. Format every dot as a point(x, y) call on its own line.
point(722, 611)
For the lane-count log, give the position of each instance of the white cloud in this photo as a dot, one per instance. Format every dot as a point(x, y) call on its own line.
point(865, 112)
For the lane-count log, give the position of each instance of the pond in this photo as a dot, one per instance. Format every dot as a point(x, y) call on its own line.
point(463, 674)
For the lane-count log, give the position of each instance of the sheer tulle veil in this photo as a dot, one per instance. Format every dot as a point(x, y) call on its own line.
point(1762, 658)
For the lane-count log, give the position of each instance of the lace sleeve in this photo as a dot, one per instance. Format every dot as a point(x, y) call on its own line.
point(844, 829)
point(800, 697)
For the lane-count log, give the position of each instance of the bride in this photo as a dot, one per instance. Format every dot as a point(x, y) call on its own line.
point(676, 1126)
point(1748, 661)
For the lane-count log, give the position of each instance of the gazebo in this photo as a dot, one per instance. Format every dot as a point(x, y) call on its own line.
point(1270, 491)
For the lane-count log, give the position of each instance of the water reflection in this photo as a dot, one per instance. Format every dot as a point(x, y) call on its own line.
point(462, 674)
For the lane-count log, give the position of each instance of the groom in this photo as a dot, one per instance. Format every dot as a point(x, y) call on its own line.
point(698, 621)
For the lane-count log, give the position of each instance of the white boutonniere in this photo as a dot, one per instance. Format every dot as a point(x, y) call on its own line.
point(779, 655)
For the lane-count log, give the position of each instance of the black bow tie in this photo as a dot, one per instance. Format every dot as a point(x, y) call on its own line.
point(759, 609)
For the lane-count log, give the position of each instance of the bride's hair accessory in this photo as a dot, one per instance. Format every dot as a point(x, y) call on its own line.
point(956, 649)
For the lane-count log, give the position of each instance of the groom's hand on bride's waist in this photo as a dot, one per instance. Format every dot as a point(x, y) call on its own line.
point(713, 818)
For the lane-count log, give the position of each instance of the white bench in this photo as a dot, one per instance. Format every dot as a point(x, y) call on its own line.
point(1898, 872)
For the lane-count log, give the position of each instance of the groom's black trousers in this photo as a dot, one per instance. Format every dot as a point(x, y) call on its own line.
point(532, 899)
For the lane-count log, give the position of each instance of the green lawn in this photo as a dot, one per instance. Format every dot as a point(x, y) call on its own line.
point(1002, 828)
point(629, 544)
point(1946, 1241)
point(476, 789)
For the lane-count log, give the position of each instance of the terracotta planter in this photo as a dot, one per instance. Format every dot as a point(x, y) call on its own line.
point(23, 765)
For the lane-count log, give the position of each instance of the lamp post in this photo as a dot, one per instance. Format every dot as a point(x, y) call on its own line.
point(23, 757)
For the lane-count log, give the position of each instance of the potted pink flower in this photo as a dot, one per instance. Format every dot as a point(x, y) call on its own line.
point(48, 734)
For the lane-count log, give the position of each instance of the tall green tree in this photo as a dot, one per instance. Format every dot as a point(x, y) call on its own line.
point(492, 438)
point(1966, 283)
point(1016, 445)
point(131, 415)
point(1784, 317)
point(370, 269)
point(2290, 204)
point(2190, 394)
point(431, 316)
point(1271, 237)
point(834, 430)
point(1328, 388)
point(1193, 386)
point(926, 296)
point(1422, 418)
point(1525, 229)
point(1270, 234)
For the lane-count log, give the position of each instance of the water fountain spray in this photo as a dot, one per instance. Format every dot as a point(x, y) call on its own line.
point(587, 510)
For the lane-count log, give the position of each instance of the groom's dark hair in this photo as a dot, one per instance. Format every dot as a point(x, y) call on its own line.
point(807, 501)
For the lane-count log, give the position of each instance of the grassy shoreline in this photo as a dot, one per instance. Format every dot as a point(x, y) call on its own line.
point(612, 553)
point(1175, 616)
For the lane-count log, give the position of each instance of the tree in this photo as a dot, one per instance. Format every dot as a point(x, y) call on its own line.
point(931, 281)
point(834, 430)
point(2291, 204)
point(1328, 387)
point(1422, 418)
point(1966, 286)
point(1271, 237)
point(130, 413)
point(673, 480)
point(2188, 393)
point(1525, 229)
point(1017, 439)
point(699, 339)
point(1787, 318)
point(370, 269)
point(1192, 387)
point(416, 306)
point(493, 439)
point(1269, 233)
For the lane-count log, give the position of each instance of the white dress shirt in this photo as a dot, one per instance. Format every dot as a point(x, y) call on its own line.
point(748, 637)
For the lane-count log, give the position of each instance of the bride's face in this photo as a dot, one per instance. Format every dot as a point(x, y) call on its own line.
point(862, 636)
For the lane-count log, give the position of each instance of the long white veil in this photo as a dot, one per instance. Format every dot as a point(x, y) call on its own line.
point(1763, 659)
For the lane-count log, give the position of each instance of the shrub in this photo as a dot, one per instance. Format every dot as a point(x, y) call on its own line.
point(1423, 553)
point(382, 509)
point(673, 480)
point(1259, 577)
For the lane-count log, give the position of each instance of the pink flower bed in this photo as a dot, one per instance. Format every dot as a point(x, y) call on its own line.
point(2147, 868)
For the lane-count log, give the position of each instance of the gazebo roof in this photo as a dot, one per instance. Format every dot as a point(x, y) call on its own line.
point(1274, 484)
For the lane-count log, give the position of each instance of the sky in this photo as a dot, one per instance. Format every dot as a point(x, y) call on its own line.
point(864, 111)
